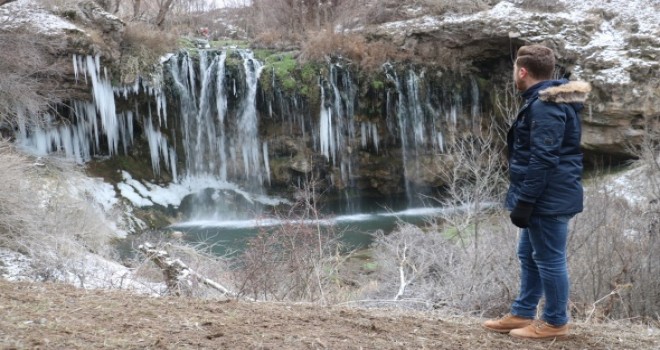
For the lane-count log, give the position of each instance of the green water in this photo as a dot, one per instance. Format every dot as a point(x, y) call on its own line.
point(227, 237)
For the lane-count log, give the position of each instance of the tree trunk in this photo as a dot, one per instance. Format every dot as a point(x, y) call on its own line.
point(136, 8)
point(116, 9)
point(162, 12)
point(175, 271)
point(2, 2)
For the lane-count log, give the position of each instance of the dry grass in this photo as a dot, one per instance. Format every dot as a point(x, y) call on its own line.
point(142, 46)
point(45, 315)
point(321, 45)
point(28, 73)
point(42, 220)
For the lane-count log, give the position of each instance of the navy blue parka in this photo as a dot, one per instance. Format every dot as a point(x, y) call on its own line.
point(545, 160)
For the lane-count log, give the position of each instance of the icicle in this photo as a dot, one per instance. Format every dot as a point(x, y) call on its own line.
point(75, 67)
point(105, 103)
point(173, 169)
point(363, 134)
point(374, 135)
point(453, 114)
point(326, 138)
point(415, 111)
point(266, 161)
point(441, 142)
point(475, 99)
point(157, 146)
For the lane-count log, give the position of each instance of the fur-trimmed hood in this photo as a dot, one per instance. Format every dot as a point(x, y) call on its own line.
point(571, 92)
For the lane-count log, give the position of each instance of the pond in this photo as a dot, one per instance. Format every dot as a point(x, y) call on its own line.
point(356, 221)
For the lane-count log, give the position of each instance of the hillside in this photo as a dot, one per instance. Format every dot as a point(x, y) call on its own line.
point(56, 316)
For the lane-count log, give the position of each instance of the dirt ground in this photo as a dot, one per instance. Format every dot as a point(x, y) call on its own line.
point(56, 316)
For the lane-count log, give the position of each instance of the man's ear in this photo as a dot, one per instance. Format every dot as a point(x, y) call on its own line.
point(523, 73)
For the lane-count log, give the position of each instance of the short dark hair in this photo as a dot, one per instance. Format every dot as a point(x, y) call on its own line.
point(538, 60)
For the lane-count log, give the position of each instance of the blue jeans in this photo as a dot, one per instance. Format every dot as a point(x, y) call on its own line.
point(544, 272)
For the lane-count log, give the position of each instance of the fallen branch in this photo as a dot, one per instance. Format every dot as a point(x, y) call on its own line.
point(616, 291)
point(175, 271)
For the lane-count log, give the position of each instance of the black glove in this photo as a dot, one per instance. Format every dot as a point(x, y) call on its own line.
point(521, 213)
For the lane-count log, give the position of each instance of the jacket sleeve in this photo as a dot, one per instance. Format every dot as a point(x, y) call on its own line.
point(548, 122)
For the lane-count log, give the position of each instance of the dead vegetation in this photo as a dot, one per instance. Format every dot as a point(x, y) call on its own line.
point(369, 55)
point(41, 220)
point(48, 315)
point(27, 66)
point(142, 46)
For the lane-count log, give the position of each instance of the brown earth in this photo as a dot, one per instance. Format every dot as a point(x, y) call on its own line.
point(56, 316)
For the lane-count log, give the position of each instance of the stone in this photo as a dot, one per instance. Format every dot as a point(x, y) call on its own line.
point(613, 45)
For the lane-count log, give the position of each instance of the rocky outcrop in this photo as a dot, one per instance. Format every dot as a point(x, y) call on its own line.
point(81, 28)
point(109, 26)
point(614, 45)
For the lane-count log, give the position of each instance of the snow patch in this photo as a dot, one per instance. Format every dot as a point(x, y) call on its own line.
point(630, 185)
point(147, 194)
point(27, 12)
point(88, 271)
point(13, 265)
point(608, 45)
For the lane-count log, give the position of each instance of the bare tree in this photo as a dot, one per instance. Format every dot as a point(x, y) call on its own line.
point(2, 2)
point(475, 176)
point(164, 7)
point(136, 8)
point(29, 70)
point(294, 16)
point(296, 261)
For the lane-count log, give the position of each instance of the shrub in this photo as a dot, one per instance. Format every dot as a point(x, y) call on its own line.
point(432, 268)
point(28, 71)
point(41, 218)
point(612, 259)
point(614, 243)
point(296, 261)
point(321, 45)
point(142, 46)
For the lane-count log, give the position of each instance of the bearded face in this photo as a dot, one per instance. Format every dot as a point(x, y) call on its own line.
point(518, 78)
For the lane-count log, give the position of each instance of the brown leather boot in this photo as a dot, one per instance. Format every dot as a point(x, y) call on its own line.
point(540, 330)
point(507, 323)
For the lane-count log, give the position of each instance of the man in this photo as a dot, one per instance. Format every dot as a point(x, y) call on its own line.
point(545, 170)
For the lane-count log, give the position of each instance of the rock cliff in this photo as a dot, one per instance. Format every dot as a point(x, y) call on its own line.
point(614, 45)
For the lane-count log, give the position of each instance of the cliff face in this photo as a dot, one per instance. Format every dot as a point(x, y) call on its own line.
point(68, 28)
point(614, 45)
point(263, 120)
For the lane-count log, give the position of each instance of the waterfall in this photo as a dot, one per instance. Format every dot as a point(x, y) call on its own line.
point(221, 106)
point(248, 136)
point(425, 118)
point(200, 120)
point(337, 126)
point(401, 118)
point(216, 143)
